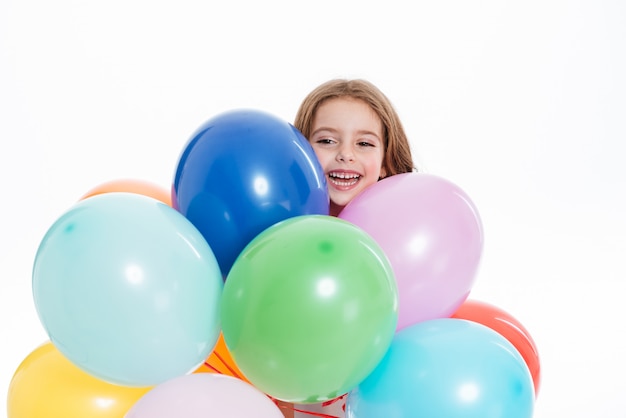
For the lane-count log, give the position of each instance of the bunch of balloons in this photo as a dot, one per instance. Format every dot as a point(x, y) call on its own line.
point(237, 290)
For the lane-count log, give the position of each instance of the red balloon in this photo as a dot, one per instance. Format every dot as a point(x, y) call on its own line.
point(507, 326)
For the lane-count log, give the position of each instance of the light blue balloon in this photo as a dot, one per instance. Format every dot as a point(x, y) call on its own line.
point(128, 289)
point(446, 368)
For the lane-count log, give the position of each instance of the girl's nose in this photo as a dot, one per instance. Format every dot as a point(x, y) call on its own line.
point(345, 154)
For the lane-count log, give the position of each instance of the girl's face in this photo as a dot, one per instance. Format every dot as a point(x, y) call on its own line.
point(347, 136)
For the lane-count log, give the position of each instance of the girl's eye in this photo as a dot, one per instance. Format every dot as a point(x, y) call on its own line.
point(324, 141)
point(366, 144)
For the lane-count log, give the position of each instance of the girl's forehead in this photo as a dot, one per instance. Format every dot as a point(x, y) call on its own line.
point(346, 108)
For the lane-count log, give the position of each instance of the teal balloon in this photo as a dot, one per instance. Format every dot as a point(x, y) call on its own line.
point(309, 308)
point(446, 368)
point(128, 289)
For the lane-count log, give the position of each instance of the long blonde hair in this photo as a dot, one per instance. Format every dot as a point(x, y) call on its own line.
point(397, 157)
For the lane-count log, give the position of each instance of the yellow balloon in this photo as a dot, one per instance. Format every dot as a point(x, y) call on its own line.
point(47, 385)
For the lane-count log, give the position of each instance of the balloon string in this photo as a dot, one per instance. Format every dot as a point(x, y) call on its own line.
point(332, 401)
point(206, 363)
point(230, 369)
point(315, 414)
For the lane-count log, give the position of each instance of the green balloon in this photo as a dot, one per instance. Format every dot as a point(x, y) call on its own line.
point(309, 308)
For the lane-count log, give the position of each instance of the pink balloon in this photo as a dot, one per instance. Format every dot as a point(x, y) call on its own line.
point(202, 395)
point(432, 234)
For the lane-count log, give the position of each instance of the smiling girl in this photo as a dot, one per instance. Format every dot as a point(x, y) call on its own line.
point(357, 137)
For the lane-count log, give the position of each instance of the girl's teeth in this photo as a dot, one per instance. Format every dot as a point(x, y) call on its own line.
point(344, 182)
point(344, 176)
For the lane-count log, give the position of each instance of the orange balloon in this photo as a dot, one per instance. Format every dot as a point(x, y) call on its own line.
point(47, 385)
point(507, 326)
point(132, 186)
point(220, 361)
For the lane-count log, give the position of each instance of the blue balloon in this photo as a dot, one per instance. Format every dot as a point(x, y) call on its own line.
point(243, 171)
point(128, 289)
point(446, 368)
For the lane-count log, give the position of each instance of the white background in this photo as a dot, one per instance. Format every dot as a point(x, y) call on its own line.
point(521, 103)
